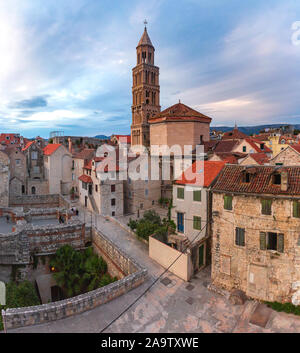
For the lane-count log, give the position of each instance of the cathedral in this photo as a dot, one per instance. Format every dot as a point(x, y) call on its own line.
point(178, 124)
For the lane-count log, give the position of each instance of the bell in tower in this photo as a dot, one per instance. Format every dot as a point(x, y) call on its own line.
point(145, 91)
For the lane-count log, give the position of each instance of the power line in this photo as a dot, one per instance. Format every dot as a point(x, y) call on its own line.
point(152, 284)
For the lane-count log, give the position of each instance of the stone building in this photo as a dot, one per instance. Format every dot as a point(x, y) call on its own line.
point(255, 231)
point(145, 91)
point(259, 158)
point(58, 169)
point(191, 210)
point(17, 168)
point(4, 179)
point(79, 159)
point(289, 156)
point(36, 182)
point(100, 187)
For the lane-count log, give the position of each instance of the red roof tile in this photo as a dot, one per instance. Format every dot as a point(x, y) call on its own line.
point(231, 180)
point(211, 171)
point(86, 153)
point(27, 146)
point(296, 147)
point(125, 138)
point(51, 148)
point(180, 112)
point(260, 158)
point(85, 178)
point(234, 134)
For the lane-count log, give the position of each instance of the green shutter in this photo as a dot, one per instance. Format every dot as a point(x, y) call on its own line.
point(263, 240)
point(266, 207)
point(197, 223)
point(280, 242)
point(228, 202)
point(197, 195)
point(296, 209)
point(242, 237)
point(180, 193)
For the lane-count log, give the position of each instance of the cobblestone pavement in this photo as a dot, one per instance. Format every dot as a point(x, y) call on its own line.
point(174, 307)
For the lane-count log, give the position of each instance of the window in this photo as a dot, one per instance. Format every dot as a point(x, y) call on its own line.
point(276, 179)
point(197, 195)
point(266, 207)
point(33, 190)
point(180, 193)
point(244, 148)
point(23, 189)
point(228, 202)
point(141, 206)
point(239, 236)
point(271, 241)
point(96, 188)
point(18, 161)
point(296, 209)
point(34, 155)
point(113, 213)
point(113, 188)
point(113, 202)
point(246, 177)
point(197, 222)
point(146, 192)
point(262, 146)
point(36, 169)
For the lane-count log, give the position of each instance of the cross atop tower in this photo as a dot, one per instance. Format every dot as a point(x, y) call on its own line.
point(145, 23)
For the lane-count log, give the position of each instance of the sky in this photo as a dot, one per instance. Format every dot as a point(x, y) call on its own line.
point(66, 65)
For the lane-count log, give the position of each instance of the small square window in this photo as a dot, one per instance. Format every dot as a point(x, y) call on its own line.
point(113, 202)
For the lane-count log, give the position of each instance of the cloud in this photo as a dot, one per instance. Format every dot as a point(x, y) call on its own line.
point(34, 102)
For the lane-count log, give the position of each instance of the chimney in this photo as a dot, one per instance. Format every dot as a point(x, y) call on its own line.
point(70, 144)
point(284, 181)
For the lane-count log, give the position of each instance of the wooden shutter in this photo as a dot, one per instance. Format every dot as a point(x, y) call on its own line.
point(266, 206)
point(197, 223)
point(197, 195)
point(296, 209)
point(228, 202)
point(280, 242)
point(242, 236)
point(263, 240)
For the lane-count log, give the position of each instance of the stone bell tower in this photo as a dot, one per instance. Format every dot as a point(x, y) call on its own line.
point(145, 91)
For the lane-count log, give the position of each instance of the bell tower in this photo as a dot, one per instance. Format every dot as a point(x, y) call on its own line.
point(145, 91)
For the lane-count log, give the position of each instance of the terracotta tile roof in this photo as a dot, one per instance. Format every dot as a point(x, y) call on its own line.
point(27, 146)
point(226, 146)
point(260, 158)
point(85, 178)
point(145, 39)
point(7, 139)
point(88, 164)
point(252, 143)
point(211, 171)
point(231, 180)
point(86, 153)
point(296, 147)
point(51, 148)
point(127, 137)
point(230, 157)
point(180, 112)
point(234, 134)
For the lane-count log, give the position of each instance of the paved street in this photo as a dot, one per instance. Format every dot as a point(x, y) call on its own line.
point(176, 306)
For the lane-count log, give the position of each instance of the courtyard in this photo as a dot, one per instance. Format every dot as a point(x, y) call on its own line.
point(171, 305)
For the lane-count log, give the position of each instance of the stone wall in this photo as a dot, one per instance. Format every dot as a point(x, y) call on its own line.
point(261, 274)
point(32, 201)
point(119, 264)
point(135, 275)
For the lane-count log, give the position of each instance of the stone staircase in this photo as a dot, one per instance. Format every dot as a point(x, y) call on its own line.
point(93, 203)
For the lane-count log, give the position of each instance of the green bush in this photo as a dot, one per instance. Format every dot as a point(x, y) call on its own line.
point(18, 296)
point(145, 228)
point(132, 224)
point(79, 272)
point(152, 217)
point(284, 307)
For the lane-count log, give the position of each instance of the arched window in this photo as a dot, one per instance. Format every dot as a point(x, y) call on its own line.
point(33, 190)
